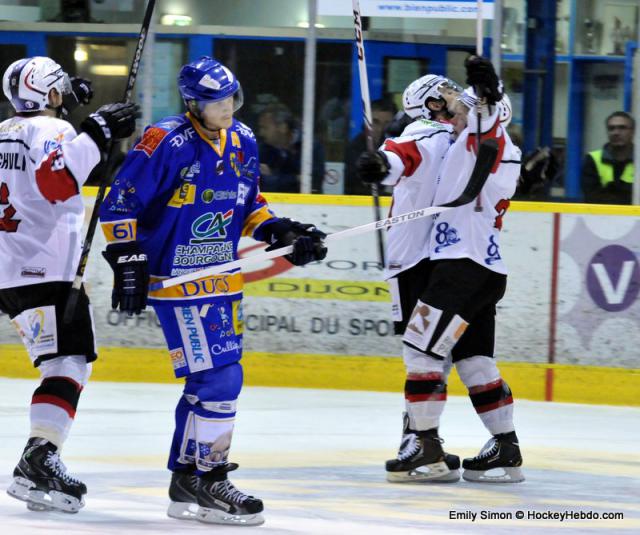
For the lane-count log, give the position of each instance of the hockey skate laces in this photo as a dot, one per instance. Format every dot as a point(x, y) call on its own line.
point(409, 447)
point(59, 469)
point(489, 449)
point(232, 493)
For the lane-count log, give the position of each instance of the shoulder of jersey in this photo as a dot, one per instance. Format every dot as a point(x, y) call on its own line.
point(170, 130)
point(243, 131)
point(426, 127)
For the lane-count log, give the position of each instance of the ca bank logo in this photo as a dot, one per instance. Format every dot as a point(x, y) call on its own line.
point(211, 227)
point(613, 278)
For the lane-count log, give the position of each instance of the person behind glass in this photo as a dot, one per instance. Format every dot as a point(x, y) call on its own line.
point(607, 173)
point(44, 164)
point(185, 195)
point(383, 112)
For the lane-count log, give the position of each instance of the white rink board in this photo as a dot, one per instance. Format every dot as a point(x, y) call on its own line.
point(357, 327)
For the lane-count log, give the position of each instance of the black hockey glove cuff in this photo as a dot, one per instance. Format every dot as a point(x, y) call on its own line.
point(538, 168)
point(482, 76)
point(131, 277)
point(372, 167)
point(307, 240)
point(111, 121)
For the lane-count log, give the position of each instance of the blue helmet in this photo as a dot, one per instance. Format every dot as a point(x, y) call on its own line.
point(207, 80)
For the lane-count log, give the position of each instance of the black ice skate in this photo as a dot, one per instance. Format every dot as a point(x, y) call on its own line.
point(499, 461)
point(221, 503)
point(421, 458)
point(183, 492)
point(41, 480)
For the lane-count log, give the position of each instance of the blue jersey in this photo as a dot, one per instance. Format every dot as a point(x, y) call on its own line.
point(187, 200)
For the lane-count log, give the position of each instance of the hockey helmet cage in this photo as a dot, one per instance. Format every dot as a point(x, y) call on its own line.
point(207, 80)
point(422, 91)
point(27, 83)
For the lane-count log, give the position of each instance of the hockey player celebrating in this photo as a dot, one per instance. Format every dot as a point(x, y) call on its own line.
point(455, 314)
point(183, 198)
point(44, 163)
point(410, 163)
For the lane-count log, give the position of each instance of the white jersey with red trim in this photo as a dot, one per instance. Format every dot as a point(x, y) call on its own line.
point(464, 232)
point(43, 164)
point(415, 158)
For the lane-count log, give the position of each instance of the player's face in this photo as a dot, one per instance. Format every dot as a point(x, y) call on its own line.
point(218, 115)
point(457, 110)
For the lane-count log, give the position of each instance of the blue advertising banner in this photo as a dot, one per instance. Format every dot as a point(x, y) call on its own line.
point(436, 9)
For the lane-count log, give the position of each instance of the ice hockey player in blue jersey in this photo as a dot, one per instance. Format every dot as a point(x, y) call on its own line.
point(181, 201)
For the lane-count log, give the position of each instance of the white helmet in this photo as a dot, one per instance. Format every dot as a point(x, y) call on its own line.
point(27, 82)
point(423, 90)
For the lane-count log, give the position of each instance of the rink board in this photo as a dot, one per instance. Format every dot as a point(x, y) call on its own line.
point(328, 324)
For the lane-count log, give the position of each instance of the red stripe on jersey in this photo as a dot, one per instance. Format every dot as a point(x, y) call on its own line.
point(484, 388)
point(408, 152)
point(493, 406)
point(54, 400)
point(55, 181)
point(414, 398)
point(491, 134)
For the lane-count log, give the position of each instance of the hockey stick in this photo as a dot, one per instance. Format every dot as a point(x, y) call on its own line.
point(486, 159)
point(366, 110)
point(478, 90)
point(74, 293)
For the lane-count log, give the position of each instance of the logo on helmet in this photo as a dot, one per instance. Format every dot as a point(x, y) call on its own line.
point(209, 82)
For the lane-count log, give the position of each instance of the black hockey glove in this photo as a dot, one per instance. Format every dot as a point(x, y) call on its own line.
point(111, 121)
point(482, 76)
point(372, 167)
point(538, 168)
point(306, 239)
point(131, 277)
point(81, 93)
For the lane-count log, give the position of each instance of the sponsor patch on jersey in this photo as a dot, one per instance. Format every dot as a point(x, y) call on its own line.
point(235, 140)
point(211, 227)
point(53, 144)
point(38, 329)
point(36, 272)
point(150, 140)
point(193, 338)
point(177, 357)
point(243, 190)
point(185, 194)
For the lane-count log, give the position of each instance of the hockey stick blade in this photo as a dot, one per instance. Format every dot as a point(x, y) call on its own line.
point(487, 154)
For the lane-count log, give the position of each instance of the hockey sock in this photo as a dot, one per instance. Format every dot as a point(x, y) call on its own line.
point(425, 390)
point(489, 393)
point(54, 402)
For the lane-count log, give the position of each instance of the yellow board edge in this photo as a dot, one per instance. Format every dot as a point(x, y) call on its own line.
point(571, 384)
point(363, 200)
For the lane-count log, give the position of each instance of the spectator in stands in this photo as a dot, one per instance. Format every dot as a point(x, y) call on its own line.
point(383, 112)
point(607, 174)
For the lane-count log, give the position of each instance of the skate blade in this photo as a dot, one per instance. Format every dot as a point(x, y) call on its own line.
point(435, 473)
point(183, 510)
point(216, 516)
point(495, 475)
point(38, 500)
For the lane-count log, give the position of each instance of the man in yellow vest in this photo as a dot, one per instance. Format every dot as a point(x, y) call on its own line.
point(607, 174)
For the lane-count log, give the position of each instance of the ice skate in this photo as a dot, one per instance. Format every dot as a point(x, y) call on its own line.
point(183, 492)
point(421, 458)
point(221, 503)
point(499, 461)
point(41, 480)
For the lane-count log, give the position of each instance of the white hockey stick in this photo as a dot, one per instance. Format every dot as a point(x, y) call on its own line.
point(486, 158)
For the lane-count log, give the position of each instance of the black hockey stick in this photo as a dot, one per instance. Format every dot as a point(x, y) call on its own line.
point(74, 293)
point(366, 110)
point(484, 163)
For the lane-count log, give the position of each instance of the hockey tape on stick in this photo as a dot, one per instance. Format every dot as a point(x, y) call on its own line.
point(485, 161)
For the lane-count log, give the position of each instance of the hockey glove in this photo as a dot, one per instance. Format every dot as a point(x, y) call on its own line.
point(81, 93)
point(372, 167)
point(305, 238)
point(111, 121)
point(538, 168)
point(482, 76)
point(131, 277)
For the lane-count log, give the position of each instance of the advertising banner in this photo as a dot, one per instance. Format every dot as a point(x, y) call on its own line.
point(435, 9)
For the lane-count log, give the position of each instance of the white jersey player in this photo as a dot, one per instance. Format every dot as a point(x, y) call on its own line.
point(43, 164)
point(455, 314)
point(411, 164)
